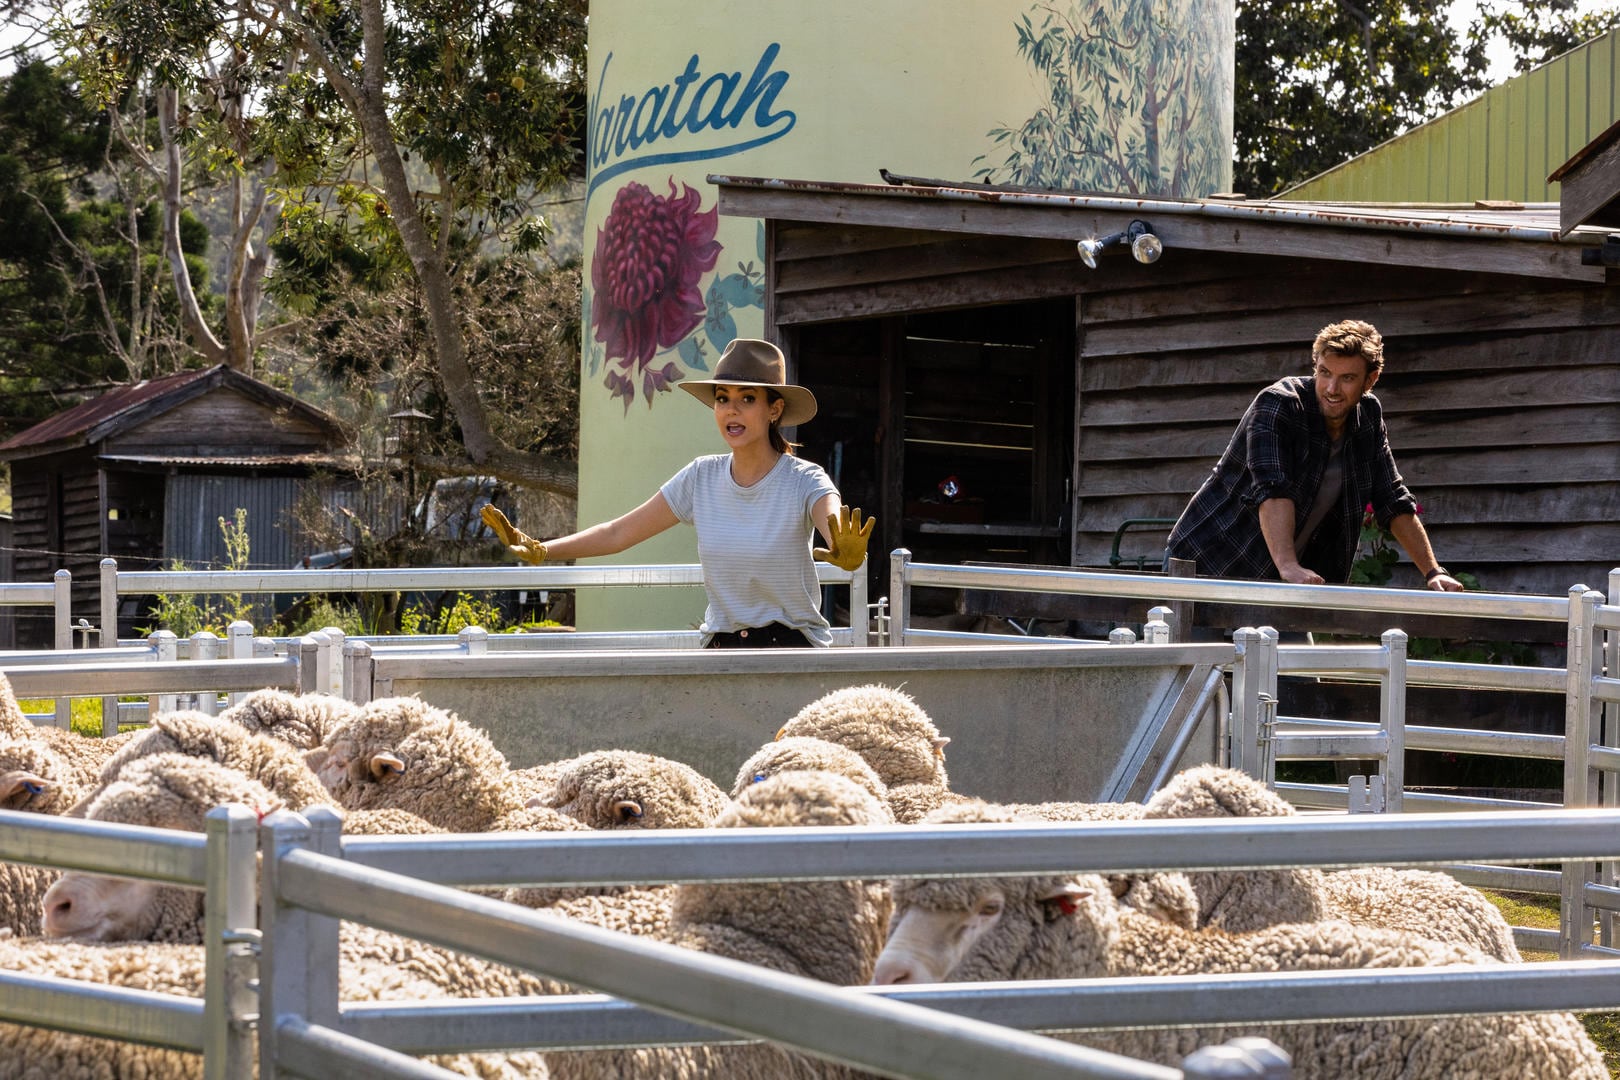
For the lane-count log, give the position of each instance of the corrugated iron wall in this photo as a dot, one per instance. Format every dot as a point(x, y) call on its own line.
point(1501, 145)
point(195, 502)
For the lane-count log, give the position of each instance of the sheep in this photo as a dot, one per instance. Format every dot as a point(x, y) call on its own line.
point(406, 754)
point(300, 720)
point(1422, 902)
point(83, 754)
point(893, 734)
point(1238, 900)
point(827, 930)
point(178, 970)
point(35, 778)
point(1429, 904)
point(274, 763)
point(1072, 927)
point(624, 789)
point(164, 791)
point(801, 753)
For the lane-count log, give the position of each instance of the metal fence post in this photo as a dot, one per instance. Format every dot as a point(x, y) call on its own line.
point(109, 639)
point(62, 635)
point(1249, 1056)
point(1246, 688)
point(1580, 722)
point(239, 646)
point(860, 624)
point(205, 646)
point(899, 595)
point(1609, 870)
point(167, 647)
point(334, 683)
point(298, 965)
point(1163, 615)
point(322, 674)
point(473, 640)
point(306, 651)
point(357, 672)
point(1122, 635)
point(1392, 718)
point(230, 943)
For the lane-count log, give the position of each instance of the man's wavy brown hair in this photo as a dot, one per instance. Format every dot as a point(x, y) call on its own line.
point(1352, 337)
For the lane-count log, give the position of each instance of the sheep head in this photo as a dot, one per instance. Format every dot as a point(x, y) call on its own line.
point(617, 789)
point(991, 928)
point(801, 752)
point(405, 754)
point(883, 725)
point(164, 791)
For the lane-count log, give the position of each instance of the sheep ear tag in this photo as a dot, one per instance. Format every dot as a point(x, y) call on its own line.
point(385, 765)
point(627, 809)
point(779, 732)
point(1066, 898)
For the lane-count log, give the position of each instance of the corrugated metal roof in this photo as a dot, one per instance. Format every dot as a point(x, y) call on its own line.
point(262, 461)
point(1531, 221)
point(1501, 145)
point(86, 415)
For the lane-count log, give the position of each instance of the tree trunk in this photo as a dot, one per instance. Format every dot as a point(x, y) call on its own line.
point(202, 338)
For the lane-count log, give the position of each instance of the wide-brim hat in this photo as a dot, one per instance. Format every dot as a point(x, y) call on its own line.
point(752, 362)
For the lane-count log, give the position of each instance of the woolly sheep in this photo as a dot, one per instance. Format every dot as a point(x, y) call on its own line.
point(1238, 900)
point(164, 791)
point(827, 930)
point(1422, 902)
point(83, 754)
point(405, 754)
point(178, 970)
point(624, 789)
point(300, 720)
point(1071, 926)
point(802, 753)
point(275, 764)
point(893, 734)
point(36, 779)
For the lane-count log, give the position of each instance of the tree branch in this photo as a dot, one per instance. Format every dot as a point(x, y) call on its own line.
point(197, 330)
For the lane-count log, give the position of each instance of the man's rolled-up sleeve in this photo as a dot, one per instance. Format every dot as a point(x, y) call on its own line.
point(1390, 498)
point(1267, 478)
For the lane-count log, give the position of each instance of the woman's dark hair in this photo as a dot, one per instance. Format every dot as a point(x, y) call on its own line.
point(779, 442)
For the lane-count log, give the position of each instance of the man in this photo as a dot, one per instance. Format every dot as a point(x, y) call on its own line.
point(1286, 499)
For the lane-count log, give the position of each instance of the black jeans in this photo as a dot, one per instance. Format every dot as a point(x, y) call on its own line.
point(774, 636)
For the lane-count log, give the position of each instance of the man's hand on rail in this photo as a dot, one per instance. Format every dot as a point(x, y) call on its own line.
point(847, 538)
point(517, 541)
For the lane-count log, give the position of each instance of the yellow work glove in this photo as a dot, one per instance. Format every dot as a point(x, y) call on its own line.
point(516, 540)
point(848, 539)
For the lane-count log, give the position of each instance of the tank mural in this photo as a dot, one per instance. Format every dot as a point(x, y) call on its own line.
point(833, 92)
point(1138, 102)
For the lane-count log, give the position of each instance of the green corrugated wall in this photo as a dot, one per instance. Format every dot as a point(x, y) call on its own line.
point(1501, 145)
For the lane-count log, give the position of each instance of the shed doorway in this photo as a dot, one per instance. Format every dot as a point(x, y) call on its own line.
point(955, 428)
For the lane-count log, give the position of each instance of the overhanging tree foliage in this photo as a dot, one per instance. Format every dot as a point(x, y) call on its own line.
point(343, 95)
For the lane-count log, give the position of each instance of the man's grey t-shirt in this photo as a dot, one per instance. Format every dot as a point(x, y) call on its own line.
point(754, 542)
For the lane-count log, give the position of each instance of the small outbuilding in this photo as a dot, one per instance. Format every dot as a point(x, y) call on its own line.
point(145, 472)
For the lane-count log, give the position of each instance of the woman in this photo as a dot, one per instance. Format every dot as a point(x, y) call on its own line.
point(755, 510)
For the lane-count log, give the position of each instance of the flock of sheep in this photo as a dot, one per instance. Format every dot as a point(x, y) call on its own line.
point(865, 755)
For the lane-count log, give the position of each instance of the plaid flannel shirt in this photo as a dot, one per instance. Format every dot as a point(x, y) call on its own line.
point(1280, 450)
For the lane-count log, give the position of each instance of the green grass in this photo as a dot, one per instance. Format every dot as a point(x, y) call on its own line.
point(1535, 909)
point(85, 714)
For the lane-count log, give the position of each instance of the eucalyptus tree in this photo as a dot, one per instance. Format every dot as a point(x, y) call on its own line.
point(388, 138)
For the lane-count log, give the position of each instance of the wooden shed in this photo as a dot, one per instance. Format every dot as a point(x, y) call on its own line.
point(144, 473)
point(952, 331)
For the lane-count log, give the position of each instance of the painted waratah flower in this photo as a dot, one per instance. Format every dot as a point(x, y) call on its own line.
point(650, 254)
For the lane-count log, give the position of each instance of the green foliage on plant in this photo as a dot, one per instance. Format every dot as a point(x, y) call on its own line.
point(185, 614)
point(462, 611)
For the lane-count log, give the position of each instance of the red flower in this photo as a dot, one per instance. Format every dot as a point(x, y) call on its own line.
point(650, 254)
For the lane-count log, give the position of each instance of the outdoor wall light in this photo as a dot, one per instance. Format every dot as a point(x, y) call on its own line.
point(1145, 247)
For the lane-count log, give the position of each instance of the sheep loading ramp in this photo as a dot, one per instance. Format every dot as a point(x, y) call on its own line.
point(1028, 722)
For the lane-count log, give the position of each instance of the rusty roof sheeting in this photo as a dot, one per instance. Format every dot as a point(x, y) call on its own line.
point(1534, 222)
point(87, 414)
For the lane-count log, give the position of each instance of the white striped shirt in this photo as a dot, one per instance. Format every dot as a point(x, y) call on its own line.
point(754, 542)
